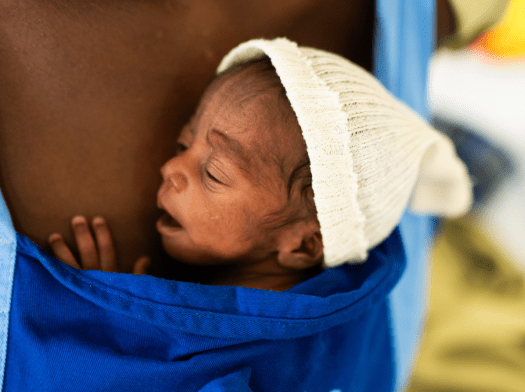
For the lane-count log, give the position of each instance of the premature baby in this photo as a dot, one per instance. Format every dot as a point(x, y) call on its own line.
point(296, 159)
point(237, 194)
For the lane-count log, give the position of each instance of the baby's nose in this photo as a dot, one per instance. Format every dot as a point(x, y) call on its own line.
point(171, 171)
point(179, 181)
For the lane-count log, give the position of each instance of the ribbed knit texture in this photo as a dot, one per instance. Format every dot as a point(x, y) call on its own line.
point(369, 153)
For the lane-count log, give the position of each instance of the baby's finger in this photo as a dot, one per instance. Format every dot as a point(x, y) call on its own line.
point(85, 243)
point(61, 250)
point(141, 265)
point(106, 250)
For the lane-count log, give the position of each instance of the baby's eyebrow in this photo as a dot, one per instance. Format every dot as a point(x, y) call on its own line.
point(231, 147)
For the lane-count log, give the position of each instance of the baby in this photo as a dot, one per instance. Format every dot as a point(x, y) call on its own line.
point(237, 194)
point(268, 134)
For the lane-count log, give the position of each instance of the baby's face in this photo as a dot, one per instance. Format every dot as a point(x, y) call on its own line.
point(223, 181)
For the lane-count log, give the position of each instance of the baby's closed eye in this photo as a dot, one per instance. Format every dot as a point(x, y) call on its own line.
point(212, 177)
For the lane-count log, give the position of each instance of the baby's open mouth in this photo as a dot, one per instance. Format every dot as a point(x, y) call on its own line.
point(166, 221)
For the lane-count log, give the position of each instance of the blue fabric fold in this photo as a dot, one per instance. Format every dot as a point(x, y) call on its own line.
point(76, 330)
point(234, 382)
point(229, 311)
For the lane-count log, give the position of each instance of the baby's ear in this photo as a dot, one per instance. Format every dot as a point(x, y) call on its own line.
point(300, 245)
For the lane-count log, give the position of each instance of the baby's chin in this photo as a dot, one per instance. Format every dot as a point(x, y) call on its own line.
point(186, 254)
point(180, 248)
point(179, 244)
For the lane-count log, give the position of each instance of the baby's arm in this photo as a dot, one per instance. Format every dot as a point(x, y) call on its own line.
point(95, 253)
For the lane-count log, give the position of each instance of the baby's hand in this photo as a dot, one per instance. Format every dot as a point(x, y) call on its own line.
point(104, 259)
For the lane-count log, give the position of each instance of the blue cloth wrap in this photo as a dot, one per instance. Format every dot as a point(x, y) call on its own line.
point(76, 330)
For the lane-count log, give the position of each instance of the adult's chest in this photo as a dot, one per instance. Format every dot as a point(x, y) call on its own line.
point(92, 95)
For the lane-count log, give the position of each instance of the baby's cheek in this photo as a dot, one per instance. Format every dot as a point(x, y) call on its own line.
point(234, 230)
point(222, 226)
point(222, 211)
point(210, 226)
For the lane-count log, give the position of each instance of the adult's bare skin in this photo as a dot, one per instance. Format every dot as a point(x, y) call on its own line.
point(92, 95)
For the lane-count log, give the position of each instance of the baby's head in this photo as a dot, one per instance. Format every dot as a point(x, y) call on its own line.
point(238, 191)
point(241, 188)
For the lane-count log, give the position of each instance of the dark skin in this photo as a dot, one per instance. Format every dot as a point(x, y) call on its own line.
point(92, 95)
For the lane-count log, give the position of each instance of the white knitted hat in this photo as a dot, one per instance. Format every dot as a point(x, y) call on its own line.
point(370, 154)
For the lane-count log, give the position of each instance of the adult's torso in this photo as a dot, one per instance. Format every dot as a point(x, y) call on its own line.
point(92, 95)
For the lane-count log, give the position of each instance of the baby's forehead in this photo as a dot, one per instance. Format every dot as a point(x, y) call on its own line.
point(262, 119)
point(245, 88)
point(245, 101)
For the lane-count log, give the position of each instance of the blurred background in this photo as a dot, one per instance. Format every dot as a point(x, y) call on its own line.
point(475, 331)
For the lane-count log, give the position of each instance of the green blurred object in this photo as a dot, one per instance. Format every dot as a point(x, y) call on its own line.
point(475, 332)
point(474, 17)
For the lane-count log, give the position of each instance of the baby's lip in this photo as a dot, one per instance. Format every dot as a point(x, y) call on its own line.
point(167, 222)
point(160, 204)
